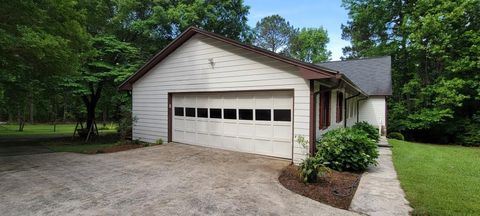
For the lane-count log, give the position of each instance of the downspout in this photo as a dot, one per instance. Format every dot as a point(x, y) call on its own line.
point(345, 111)
point(358, 107)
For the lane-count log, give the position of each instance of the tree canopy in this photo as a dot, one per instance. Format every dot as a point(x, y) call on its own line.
point(273, 33)
point(83, 49)
point(436, 63)
point(310, 45)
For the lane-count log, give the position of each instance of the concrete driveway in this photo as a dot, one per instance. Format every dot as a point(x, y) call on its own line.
point(172, 179)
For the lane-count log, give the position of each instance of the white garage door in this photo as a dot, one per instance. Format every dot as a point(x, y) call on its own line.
point(254, 122)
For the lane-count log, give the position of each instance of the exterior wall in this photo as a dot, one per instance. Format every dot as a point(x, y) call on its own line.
point(351, 115)
point(352, 111)
point(189, 69)
point(372, 111)
point(333, 113)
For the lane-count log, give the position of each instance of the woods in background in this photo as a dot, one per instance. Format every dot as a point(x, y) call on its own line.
point(435, 48)
point(63, 59)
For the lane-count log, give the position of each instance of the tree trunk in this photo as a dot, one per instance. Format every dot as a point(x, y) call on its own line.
point(32, 109)
point(90, 102)
point(90, 114)
point(105, 114)
point(64, 119)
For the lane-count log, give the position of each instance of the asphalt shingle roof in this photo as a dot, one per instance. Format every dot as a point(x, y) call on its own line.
point(372, 75)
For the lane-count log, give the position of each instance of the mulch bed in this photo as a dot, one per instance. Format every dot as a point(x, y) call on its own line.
point(117, 148)
point(334, 188)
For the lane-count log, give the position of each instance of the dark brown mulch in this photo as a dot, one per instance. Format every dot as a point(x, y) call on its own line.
point(117, 148)
point(334, 188)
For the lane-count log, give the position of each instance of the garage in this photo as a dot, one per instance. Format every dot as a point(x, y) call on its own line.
point(257, 122)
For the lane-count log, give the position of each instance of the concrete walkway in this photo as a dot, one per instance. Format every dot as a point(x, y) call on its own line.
point(379, 191)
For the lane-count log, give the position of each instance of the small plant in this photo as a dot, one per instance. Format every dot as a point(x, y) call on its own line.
point(396, 135)
point(369, 129)
point(126, 122)
point(302, 141)
point(136, 142)
point(159, 141)
point(311, 168)
point(347, 149)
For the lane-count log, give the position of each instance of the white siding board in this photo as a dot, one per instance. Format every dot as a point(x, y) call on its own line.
point(372, 111)
point(188, 70)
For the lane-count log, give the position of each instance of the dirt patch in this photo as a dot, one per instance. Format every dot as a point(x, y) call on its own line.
point(334, 188)
point(117, 148)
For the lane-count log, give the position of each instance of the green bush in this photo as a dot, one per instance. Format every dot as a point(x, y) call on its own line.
point(369, 129)
point(347, 149)
point(396, 135)
point(311, 168)
point(159, 141)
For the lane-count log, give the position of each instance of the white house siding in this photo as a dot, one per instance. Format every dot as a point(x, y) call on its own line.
point(352, 111)
point(351, 115)
point(372, 111)
point(333, 113)
point(188, 69)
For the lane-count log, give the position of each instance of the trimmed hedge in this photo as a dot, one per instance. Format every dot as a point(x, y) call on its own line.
point(396, 135)
point(369, 129)
point(347, 149)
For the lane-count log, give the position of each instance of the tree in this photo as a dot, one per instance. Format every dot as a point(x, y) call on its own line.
point(150, 25)
point(310, 45)
point(85, 49)
point(110, 62)
point(435, 62)
point(273, 33)
point(125, 33)
point(38, 40)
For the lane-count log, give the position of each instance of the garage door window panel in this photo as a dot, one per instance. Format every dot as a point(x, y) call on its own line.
point(282, 115)
point(202, 112)
point(229, 113)
point(190, 112)
point(245, 114)
point(179, 111)
point(263, 115)
point(216, 113)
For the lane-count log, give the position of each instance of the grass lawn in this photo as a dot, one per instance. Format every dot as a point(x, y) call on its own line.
point(11, 130)
point(439, 179)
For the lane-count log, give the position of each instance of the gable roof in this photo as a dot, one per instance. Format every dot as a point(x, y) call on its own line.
point(372, 75)
point(307, 70)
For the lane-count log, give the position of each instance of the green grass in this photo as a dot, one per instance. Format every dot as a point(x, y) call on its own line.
point(439, 179)
point(11, 130)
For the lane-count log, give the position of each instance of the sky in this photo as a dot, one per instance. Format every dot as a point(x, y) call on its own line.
point(305, 13)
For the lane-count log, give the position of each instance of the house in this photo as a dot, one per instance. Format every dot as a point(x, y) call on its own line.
point(208, 90)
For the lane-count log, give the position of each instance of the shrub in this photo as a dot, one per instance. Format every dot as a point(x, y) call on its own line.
point(369, 129)
point(126, 122)
point(311, 168)
point(396, 135)
point(347, 149)
point(159, 141)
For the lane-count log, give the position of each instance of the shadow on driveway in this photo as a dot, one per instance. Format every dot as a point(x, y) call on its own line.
point(11, 146)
